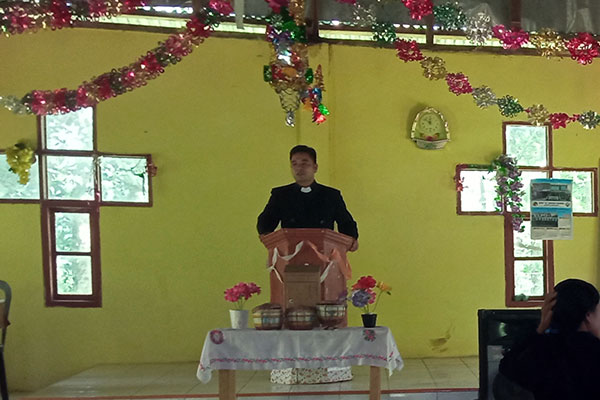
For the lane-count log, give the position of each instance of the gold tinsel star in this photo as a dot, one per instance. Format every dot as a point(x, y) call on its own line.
point(548, 42)
point(538, 114)
point(434, 68)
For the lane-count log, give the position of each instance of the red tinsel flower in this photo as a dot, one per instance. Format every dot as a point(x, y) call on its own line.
point(583, 48)
point(105, 90)
point(130, 5)
point(510, 39)
point(197, 28)
point(18, 20)
point(221, 6)
point(41, 102)
point(60, 101)
point(408, 50)
point(150, 64)
point(365, 282)
point(418, 8)
point(458, 84)
point(61, 14)
point(560, 120)
point(97, 8)
point(277, 4)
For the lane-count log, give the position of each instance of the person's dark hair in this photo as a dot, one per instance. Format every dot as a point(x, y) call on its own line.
point(574, 299)
point(304, 149)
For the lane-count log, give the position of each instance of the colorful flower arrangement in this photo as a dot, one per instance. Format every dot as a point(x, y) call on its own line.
point(363, 293)
point(509, 189)
point(240, 293)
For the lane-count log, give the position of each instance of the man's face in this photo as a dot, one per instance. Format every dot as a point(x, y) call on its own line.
point(593, 321)
point(303, 168)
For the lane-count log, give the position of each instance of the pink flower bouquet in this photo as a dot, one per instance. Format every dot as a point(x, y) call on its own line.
point(240, 293)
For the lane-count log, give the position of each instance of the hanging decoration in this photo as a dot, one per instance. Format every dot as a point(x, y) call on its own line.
point(583, 48)
point(560, 120)
point(408, 50)
point(548, 43)
point(509, 189)
point(509, 106)
point(484, 97)
point(510, 39)
point(20, 157)
point(288, 72)
point(538, 114)
point(479, 28)
point(419, 8)
point(125, 79)
point(434, 68)
point(363, 16)
point(21, 17)
point(458, 84)
point(589, 119)
point(450, 16)
point(384, 32)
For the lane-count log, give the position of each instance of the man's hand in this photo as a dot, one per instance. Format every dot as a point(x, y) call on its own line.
point(354, 245)
point(549, 302)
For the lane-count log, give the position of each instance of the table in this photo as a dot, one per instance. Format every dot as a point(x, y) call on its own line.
point(227, 350)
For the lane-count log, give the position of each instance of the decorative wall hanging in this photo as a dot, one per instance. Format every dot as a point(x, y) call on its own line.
point(288, 72)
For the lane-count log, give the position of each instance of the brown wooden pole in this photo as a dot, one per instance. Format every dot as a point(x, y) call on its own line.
point(515, 14)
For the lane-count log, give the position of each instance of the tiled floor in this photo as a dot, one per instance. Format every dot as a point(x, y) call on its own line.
point(420, 379)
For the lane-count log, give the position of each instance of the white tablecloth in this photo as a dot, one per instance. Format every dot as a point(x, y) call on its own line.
point(252, 349)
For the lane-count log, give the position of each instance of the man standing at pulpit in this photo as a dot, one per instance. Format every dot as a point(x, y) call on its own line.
point(306, 203)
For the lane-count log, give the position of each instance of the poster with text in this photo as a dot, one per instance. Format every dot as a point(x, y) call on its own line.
point(551, 209)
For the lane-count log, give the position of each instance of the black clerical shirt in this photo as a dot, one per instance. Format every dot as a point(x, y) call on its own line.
point(318, 208)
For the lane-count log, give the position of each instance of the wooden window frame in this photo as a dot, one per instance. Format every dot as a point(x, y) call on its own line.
point(548, 245)
point(53, 298)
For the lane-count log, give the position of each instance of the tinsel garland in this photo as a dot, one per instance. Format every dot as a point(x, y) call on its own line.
point(20, 16)
point(450, 16)
point(125, 79)
point(509, 106)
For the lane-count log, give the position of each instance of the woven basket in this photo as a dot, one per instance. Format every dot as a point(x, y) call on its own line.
point(331, 314)
point(267, 316)
point(300, 318)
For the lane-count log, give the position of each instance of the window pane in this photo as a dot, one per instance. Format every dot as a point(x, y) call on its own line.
point(74, 274)
point(527, 177)
point(72, 232)
point(583, 190)
point(479, 190)
point(10, 188)
point(124, 179)
point(527, 143)
point(524, 246)
point(70, 177)
point(529, 278)
point(71, 131)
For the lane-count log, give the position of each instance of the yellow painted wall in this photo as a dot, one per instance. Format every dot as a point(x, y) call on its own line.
point(216, 132)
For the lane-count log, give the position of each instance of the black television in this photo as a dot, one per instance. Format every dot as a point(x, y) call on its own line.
point(498, 331)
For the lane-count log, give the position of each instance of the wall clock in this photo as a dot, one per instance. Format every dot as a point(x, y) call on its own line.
point(430, 129)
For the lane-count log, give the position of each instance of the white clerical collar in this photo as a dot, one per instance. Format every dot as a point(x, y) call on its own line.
point(306, 189)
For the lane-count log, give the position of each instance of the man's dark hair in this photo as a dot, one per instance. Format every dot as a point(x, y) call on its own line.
point(304, 149)
point(575, 298)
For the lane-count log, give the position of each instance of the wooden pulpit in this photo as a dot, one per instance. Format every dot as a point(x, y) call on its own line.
point(307, 266)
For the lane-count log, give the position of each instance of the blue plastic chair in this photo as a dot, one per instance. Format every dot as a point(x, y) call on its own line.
point(4, 287)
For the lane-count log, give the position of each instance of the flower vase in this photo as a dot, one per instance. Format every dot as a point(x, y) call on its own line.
point(239, 319)
point(369, 320)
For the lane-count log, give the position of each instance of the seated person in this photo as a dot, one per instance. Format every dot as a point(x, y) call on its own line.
point(562, 360)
